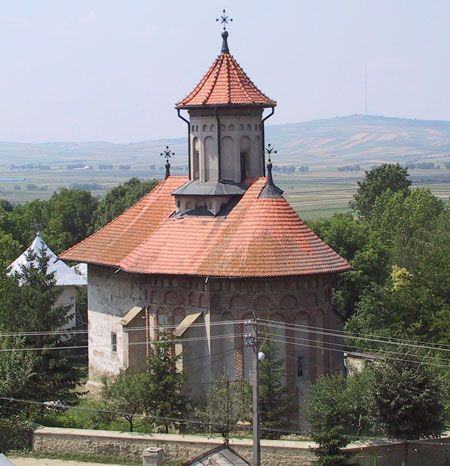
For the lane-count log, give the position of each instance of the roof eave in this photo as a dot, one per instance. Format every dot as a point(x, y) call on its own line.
point(235, 105)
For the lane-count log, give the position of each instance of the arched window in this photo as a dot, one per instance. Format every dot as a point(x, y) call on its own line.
point(245, 157)
point(230, 127)
point(212, 128)
point(205, 128)
point(195, 158)
point(249, 127)
point(241, 127)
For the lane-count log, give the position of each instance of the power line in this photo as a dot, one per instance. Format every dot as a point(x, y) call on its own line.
point(334, 334)
point(382, 356)
point(145, 416)
point(150, 342)
point(327, 343)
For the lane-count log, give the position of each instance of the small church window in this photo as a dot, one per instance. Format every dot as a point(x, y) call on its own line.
point(230, 127)
point(256, 127)
point(205, 128)
point(249, 127)
point(241, 127)
point(212, 128)
point(114, 342)
point(300, 366)
point(222, 127)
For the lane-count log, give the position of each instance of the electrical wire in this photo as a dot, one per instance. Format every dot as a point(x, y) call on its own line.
point(325, 345)
point(334, 334)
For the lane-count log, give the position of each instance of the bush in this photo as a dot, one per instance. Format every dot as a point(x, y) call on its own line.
point(15, 433)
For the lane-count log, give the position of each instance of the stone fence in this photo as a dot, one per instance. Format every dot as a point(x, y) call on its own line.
point(273, 452)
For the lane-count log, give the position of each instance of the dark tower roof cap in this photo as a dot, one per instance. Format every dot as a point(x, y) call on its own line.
point(225, 48)
point(270, 190)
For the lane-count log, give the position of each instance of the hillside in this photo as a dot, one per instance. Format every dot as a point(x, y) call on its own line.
point(366, 140)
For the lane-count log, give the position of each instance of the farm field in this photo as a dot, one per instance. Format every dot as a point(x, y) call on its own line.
point(327, 147)
point(320, 193)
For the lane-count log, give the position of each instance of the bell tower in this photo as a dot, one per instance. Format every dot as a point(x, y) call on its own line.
point(226, 135)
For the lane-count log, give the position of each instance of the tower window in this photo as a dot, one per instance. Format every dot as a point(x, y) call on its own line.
point(114, 342)
point(243, 165)
point(300, 366)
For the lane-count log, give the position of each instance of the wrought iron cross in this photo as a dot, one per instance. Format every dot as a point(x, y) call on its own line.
point(37, 226)
point(224, 19)
point(269, 150)
point(167, 153)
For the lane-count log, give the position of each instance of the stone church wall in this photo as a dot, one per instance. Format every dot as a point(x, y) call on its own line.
point(298, 300)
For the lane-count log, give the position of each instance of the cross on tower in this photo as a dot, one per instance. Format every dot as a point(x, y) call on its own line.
point(269, 150)
point(167, 154)
point(224, 19)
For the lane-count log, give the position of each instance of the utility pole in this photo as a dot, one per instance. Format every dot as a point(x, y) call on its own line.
point(252, 340)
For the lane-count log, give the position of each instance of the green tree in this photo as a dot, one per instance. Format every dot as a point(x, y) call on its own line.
point(16, 369)
point(227, 403)
point(382, 178)
point(327, 411)
point(407, 399)
point(124, 394)
point(164, 390)
point(120, 198)
point(69, 216)
point(275, 399)
point(363, 249)
point(29, 303)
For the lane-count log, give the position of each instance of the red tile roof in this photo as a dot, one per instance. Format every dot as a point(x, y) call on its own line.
point(260, 237)
point(225, 83)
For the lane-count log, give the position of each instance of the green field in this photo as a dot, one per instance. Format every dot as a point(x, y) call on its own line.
point(320, 193)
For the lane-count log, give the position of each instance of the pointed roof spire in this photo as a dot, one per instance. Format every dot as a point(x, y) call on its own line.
point(224, 20)
point(225, 48)
point(270, 190)
point(167, 153)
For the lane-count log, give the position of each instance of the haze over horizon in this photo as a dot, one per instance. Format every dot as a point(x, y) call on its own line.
point(105, 70)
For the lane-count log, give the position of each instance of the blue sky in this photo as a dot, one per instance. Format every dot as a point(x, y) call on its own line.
point(113, 69)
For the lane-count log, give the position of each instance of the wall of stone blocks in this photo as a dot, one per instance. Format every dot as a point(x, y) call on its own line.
point(273, 452)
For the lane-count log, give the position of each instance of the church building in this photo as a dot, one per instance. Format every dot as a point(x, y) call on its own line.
point(204, 253)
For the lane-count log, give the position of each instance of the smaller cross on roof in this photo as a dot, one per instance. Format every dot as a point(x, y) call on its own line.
point(224, 19)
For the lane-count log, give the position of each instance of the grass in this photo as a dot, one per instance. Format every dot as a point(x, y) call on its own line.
point(87, 458)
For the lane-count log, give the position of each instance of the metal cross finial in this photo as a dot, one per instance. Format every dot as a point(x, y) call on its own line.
point(224, 19)
point(269, 150)
point(37, 226)
point(167, 153)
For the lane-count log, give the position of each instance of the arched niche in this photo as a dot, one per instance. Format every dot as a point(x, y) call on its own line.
point(245, 152)
point(155, 297)
point(204, 301)
point(210, 158)
point(195, 158)
point(193, 299)
point(171, 297)
point(238, 302)
point(288, 302)
point(226, 158)
point(263, 302)
point(311, 300)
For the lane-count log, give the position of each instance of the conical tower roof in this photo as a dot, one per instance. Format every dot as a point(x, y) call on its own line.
point(225, 84)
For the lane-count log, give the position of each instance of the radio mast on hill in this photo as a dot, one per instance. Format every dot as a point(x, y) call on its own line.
point(366, 88)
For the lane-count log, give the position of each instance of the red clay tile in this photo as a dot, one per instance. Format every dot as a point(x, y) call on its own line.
point(225, 83)
point(260, 238)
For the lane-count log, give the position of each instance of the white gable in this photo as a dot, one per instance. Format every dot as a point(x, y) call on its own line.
point(64, 275)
